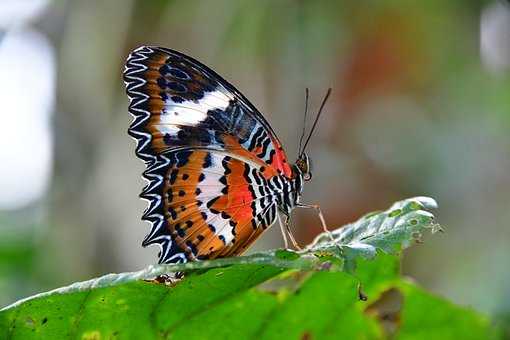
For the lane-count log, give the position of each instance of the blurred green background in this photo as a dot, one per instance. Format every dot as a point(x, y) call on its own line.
point(420, 106)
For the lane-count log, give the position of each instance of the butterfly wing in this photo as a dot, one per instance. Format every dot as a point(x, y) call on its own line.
point(210, 155)
point(207, 204)
point(177, 101)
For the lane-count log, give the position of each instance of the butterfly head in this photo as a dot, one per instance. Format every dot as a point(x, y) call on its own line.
point(303, 166)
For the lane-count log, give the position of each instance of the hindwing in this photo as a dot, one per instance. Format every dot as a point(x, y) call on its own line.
point(207, 204)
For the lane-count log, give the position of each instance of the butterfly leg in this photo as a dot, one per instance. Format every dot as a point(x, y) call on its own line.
point(318, 210)
point(284, 234)
point(289, 232)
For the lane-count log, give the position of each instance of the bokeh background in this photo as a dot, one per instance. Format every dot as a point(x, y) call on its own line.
point(420, 106)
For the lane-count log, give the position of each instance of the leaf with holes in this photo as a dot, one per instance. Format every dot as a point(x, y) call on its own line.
point(390, 231)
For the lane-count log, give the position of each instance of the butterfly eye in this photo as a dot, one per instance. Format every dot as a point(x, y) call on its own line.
point(307, 176)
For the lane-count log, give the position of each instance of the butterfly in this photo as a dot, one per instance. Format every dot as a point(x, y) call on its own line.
point(217, 173)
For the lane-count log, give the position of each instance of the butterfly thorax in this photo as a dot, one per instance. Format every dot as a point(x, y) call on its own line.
point(288, 190)
point(291, 195)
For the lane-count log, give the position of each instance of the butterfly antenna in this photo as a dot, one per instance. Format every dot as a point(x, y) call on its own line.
point(316, 120)
point(304, 120)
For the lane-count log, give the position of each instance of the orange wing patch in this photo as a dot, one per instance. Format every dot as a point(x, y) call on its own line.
point(155, 102)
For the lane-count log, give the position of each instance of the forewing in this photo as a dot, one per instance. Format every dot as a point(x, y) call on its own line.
point(177, 102)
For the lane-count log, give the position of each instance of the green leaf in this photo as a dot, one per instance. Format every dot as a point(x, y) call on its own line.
point(137, 308)
point(390, 231)
point(425, 316)
point(282, 293)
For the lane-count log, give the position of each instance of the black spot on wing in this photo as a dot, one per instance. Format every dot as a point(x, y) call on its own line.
point(212, 201)
point(173, 176)
point(180, 232)
point(192, 247)
point(207, 161)
point(177, 87)
point(177, 99)
point(168, 139)
point(173, 213)
point(272, 153)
